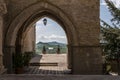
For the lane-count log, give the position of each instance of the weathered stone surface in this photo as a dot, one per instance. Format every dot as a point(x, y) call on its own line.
point(86, 60)
point(3, 11)
point(79, 19)
point(82, 13)
point(62, 77)
point(29, 40)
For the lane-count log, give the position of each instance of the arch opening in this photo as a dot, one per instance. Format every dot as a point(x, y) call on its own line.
point(50, 47)
point(50, 34)
point(16, 33)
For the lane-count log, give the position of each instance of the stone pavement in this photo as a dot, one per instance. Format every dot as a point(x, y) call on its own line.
point(63, 77)
point(60, 59)
point(48, 70)
point(49, 64)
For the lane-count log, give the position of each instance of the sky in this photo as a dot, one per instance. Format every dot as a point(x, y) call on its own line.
point(51, 32)
point(104, 12)
point(54, 32)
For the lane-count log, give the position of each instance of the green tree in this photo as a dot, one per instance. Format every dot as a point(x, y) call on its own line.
point(115, 12)
point(112, 38)
point(111, 34)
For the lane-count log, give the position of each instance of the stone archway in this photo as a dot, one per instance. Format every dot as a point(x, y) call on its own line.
point(31, 14)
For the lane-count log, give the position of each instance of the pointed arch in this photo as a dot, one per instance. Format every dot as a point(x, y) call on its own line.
point(30, 15)
point(35, 12)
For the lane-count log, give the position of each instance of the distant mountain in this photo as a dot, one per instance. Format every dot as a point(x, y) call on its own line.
point(56, 43)
point(42, 43)
point(51, 43)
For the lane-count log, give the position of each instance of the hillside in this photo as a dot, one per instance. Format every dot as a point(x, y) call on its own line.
point(51, 47)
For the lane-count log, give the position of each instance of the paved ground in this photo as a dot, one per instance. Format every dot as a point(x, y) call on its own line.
point(52, 77)
point(61, 59)
point(49, 64)
point(48, 70)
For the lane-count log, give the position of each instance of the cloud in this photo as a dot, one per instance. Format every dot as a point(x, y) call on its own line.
point(56, 37)
point(51, 32)
point(116, 2)
point(52, 37)
point(39, 22)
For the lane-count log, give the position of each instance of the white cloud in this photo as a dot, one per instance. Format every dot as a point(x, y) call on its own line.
point(52, 37)
point(56, 36)
point(116, 2)
point(39, 22)
point(51, 32)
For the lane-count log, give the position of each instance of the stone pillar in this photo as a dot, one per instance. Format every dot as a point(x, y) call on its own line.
point(87, 60)
point(29, 40)
point(2, 12)
point(69, 57)
point(9, 51)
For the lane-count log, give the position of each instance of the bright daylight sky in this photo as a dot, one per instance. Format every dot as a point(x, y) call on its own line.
point(53, 32)
point(104, 12)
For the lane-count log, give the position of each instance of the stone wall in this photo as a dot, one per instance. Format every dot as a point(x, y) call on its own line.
point(80, 20)
point(29, 40)
point(3, 11)
point(83, 13)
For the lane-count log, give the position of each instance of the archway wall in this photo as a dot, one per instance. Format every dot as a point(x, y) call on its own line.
point(83, 14)
point(81, 23)
point(28, 41)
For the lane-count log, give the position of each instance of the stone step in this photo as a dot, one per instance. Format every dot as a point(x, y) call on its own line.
point(44, 64)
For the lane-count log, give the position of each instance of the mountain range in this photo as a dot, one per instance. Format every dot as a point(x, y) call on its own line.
point(54, 45)
point(51, 44)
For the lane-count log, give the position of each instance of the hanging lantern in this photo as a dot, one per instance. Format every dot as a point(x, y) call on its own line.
point(45, 21)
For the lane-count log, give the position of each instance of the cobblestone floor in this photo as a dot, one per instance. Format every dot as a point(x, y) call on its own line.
point(61, 59)
point(49, 64)
point(55, 77)
point(48, 70)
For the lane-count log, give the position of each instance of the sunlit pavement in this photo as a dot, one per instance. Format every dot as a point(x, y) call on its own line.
point(49, 64)
point(61, 59)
